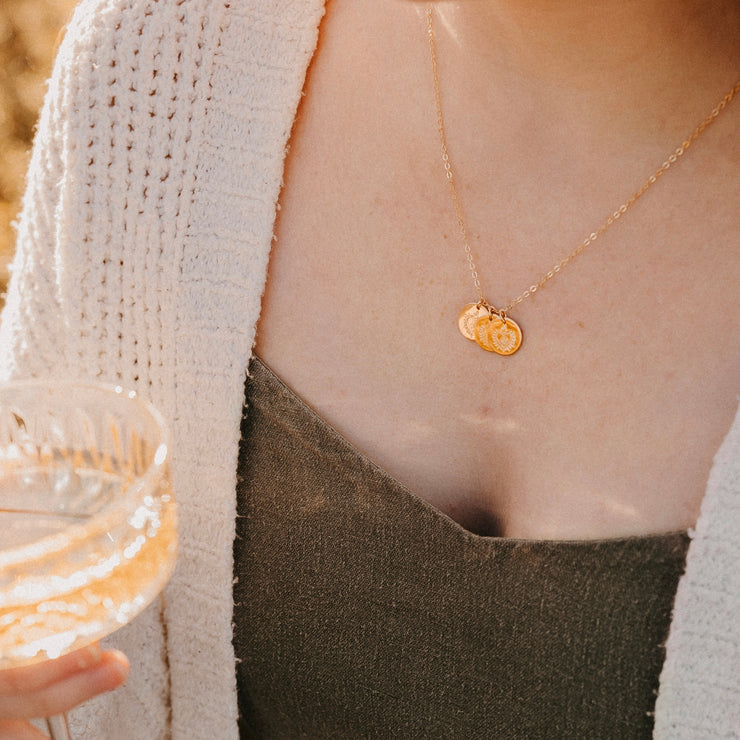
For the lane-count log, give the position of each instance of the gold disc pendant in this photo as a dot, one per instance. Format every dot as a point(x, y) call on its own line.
point(494, 334)
point(469, 318)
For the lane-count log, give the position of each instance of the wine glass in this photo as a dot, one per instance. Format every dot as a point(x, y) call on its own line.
point(87, 517)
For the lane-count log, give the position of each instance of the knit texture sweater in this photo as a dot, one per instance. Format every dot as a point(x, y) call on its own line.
point(142, 257)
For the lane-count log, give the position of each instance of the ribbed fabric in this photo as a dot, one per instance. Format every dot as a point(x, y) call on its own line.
point(700, 684)
point(142, 254)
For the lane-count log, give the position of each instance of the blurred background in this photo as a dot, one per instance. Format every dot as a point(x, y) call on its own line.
point(30, 31)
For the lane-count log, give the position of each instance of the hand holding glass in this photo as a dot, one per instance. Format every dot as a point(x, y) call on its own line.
point(87, 516)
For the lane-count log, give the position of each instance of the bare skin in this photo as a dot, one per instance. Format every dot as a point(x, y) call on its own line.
point(606, 421)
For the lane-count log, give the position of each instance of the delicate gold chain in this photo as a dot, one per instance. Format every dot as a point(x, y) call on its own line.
point(593, 236)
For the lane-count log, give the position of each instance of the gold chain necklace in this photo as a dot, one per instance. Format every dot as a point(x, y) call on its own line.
point(492, 328)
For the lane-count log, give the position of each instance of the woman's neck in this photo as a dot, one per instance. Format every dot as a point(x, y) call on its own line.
point(643, 64)
point(589, 44)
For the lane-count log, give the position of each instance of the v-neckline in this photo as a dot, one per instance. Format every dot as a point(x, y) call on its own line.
point(352, 453)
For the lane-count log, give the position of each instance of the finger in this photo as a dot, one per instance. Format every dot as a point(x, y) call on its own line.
point(63, 695)
point(37, 676)
point(13, 729)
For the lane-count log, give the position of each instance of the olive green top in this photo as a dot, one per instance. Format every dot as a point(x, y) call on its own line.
point(363, 612)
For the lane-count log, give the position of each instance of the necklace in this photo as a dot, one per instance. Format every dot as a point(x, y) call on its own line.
point(491, 327)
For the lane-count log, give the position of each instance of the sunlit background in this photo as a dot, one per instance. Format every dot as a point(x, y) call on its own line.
point(29, 33)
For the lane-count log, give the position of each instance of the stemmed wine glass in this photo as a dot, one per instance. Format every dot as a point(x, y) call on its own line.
point(87, 517)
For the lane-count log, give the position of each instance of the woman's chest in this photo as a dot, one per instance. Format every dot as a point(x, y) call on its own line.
point(604, 422)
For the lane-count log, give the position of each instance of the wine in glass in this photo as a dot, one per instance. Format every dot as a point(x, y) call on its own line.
point(87, 517)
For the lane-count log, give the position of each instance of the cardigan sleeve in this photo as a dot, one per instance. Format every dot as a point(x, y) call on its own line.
point(66, 283)
point(107, 195)
point(31, 330)
point(699, 693)
point(65, 288)
point(143, 249)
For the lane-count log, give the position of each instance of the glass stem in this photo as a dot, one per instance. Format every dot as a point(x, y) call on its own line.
point(58, 727)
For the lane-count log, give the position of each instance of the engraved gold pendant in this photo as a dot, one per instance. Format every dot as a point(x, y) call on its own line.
point(469, 317)
point(490, 331)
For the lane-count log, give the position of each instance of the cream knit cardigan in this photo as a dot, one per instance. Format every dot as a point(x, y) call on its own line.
point(142, 255)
